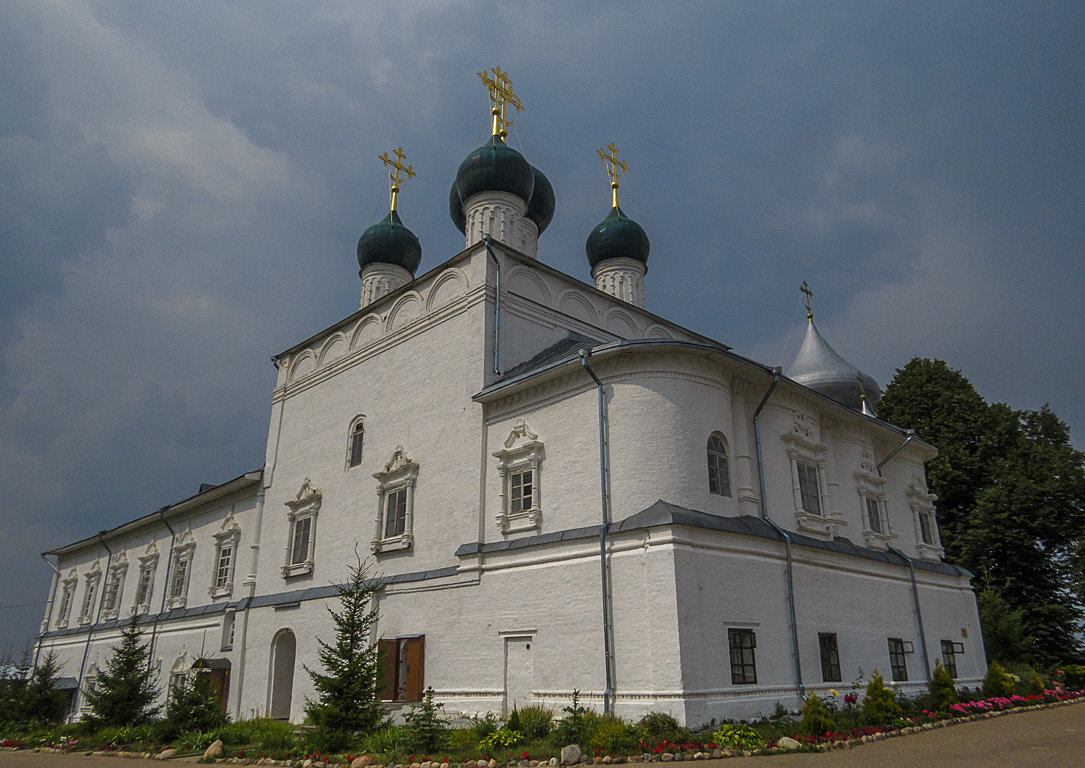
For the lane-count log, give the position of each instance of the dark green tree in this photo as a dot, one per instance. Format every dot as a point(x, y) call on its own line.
point(125, 690)
point(1006, 638)
point(348, 696)
point(193, 706)
point(424, 729)
point(43, 703)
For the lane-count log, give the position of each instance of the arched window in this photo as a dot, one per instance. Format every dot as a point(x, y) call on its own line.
point(354, 447)
point(719, 476)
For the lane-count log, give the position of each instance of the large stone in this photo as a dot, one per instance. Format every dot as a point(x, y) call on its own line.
point(166, 754)
point(214, 751)
point(362, 762)
point(786, 742)
point(666, 757)
point(570, 755)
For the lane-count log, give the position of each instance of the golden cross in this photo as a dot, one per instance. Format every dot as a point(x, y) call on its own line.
point(806, 290)
point(501, 95)
point(395, 176)
point(615, 168)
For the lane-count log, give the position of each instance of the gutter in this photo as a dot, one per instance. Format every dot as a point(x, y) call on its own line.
point(90, 627)
point(48, 608)
point(789, 568)
point(604, 566)
point(251, 583)
point(165, 583)
point(911, 563)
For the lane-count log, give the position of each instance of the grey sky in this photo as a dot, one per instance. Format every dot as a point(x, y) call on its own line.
point(182, 186)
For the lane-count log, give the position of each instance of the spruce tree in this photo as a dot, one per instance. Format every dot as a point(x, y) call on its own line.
point(42, 702)
point(125, 689)
point(194, 707)
point(348, 696)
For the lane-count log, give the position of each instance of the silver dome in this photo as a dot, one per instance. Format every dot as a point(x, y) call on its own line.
point(820, 367)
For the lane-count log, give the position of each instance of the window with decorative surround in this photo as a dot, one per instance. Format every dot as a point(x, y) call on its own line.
point(148, 564)
point(719, 473)
point(921, 501)
point(871, 489)
point(301, 541)
point(355, 441)
point(90, 592)
point(181, 569)
point(114, 585)
point(395, 504)
point(67, 594)
point(519, 463)
point(226, 541)
point(811, 499)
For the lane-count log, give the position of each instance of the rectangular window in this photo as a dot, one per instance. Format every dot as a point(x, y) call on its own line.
point(395, 514)
point(88, 601)
point(402, 664)
point(873, 517)
point(143, 589)
point(299, 551)
point(949, 657)
point(897, 663)
point(925, 528)
point(227, 631)
point(830, 657)
point(808, 487)
point(356, 439)
point(112, 587)
point(180, 574)
point(222, 573)
point(65, 604)
point(522, 490)
point(742, 643)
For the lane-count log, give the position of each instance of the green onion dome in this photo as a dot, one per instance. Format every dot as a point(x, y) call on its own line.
point(493, 167)
point(390, 242)
point(455, 209)
point(617, 236)
point(540, 208)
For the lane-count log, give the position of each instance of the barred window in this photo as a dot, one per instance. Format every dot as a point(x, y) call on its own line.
point(830, 657)
point(808, 487)
point(742, 643)
point(897, 662)
point(719, 476)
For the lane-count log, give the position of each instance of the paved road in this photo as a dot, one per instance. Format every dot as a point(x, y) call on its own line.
point(1050, 738)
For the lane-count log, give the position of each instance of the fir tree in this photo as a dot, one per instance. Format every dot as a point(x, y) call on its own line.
point(42, 702)
point(424, 728)
point(194, 706)
point(348, 687)
point(125, 689)
point(943, 692)
point(880, 706)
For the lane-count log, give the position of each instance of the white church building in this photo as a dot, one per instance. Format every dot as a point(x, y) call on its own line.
point(560, 490)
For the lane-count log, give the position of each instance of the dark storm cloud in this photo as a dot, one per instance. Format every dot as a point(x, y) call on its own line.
point(182, 186)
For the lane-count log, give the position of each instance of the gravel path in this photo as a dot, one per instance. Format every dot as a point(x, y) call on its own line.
point(1049, 738)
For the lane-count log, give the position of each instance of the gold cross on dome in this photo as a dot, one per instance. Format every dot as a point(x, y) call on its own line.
point(615, 168)
point(398, 169)
point(806, 290)
point(501, 96)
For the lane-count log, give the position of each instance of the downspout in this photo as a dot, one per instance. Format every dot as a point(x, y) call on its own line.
point(251, 583)
point(787, 538)
point(48, 608)
point(497, 304)
point(911, 563)
point(97, 616)
point(604, 568)
point(165, 583)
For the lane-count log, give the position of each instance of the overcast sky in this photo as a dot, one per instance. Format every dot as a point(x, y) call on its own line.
point(182, 186)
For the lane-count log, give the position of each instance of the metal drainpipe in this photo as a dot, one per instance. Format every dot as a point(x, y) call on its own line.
point(787, 539)
point(497, 304)
point(165, 584)
point(90, 629)
point(911, 563)
point(604, 472)
point(48, 607)
point(248, 602)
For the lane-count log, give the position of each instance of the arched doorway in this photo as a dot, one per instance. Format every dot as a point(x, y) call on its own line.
point(280, 689)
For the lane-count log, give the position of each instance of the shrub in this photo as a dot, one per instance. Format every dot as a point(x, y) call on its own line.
point(1031, 683)
point(738, 735)
point(536, 722)
point(997, 681)
point(880, 706)
point(513, 723)
point(659, 726)
point(263, 733)
point(1074, 676)
point(611, 735)
point(816, 719)
point(384, 741)
point(500, 739)
point(484, 725)
point(424, 730)
point(462, 742)
point(572, 729)
point(943, 692)
point(193, 707)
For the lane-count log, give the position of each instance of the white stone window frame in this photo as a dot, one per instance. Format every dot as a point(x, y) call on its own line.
point(111, 603)
point(521, 451)
point(91, 580)
point(357, 423)
point(304, 506)
point(148, 564)
point(726, 453)
point(229, 627)
point(67, 597)
point(871, 486)
point(801, 447)
point(228, 536)
point(400, 473)
point(921, 502)
point(183, 551)
point(90, 680)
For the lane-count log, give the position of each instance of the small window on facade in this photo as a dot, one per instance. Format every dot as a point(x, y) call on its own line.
point(521, 488)
point(227, 631)
point(222, 572)
point(949, 657)
point(183, 552)
point(395, 504)
point(180, 576)
point(719, 476)
point(873, 515)
point(88, 601)
point(402, 666)
point(742, 643)
point(357, 436)
point(897, 662)
point(66, 603)
point(226, 541)
point(519, 465)
point(301, 533)
point(112, 590)
point(926, 532)
point(299, 550)
point(808, 487)
point(144, 588)
point(830, 657)
point(395, 513)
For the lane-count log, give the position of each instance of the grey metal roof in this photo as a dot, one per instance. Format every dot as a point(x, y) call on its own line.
point(820, 367)
point(567, 348)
